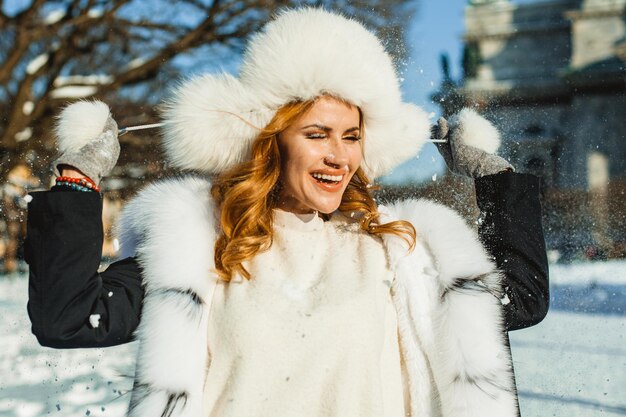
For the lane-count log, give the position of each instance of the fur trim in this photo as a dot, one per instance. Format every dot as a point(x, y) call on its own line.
point(166, 223)
point(450, 316)
point(212, 120)
point(474, 130)
point(449, 239)
point(79, 123)
point(210, 123)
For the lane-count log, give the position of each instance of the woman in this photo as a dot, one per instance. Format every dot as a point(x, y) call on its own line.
point(281, 288)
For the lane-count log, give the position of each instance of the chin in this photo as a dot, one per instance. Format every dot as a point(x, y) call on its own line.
point(326, 207)
point(309, 198)
point(326, 210)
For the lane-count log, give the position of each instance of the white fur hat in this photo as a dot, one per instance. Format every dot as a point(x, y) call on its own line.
point(211, 120)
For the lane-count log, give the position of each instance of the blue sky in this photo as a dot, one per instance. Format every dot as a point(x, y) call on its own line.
point(436, 28)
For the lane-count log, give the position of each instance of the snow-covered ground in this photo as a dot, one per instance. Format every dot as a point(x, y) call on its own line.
point(37, 381)
point(573, 364)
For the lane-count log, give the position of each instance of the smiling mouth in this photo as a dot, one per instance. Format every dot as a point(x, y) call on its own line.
point(327, 179)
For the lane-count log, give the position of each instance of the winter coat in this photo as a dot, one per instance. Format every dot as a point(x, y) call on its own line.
point(447, 295)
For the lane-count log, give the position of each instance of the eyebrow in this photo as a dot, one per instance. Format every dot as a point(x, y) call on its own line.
point(328, 129)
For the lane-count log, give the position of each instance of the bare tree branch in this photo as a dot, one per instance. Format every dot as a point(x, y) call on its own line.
point(3, 16)
point(30, 10)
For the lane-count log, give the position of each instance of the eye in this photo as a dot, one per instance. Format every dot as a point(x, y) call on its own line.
point(352, 138)
point(316, 135)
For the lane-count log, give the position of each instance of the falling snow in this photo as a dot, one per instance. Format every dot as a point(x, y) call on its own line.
point(505, 300)
point(94, 320)
point(24, 134)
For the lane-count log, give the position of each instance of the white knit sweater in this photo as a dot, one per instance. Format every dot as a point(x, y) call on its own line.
point(313, 333)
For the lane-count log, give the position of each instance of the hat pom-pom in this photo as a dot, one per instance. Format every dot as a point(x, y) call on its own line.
point(474, 130)
point(79, 123)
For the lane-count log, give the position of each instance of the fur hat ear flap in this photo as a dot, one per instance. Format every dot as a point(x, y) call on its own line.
point(472, 129)
point(394, 139)
point(79, 123)
point(210, 123)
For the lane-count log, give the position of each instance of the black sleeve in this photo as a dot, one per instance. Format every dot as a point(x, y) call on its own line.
point(63, 249)
point(511, 231)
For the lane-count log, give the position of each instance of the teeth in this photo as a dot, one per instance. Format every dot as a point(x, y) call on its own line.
point(334, 178)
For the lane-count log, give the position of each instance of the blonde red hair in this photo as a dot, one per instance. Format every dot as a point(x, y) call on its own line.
point(247, 194)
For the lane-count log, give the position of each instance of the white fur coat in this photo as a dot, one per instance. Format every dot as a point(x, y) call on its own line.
point(455, 357)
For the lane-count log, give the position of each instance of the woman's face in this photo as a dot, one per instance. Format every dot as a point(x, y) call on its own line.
point(320, 153)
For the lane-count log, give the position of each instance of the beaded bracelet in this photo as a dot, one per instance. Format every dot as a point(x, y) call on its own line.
point(80, 184)
point(74, 186)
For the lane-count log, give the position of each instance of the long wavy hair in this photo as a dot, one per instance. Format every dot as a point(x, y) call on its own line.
point(247, 194)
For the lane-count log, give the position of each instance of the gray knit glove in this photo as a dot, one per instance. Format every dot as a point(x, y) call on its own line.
point(99, 154)
point(463, 159)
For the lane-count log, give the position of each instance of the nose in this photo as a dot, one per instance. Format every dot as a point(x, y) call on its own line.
point(337, 156)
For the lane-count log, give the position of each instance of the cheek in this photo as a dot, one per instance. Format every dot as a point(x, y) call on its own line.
point(294, 166)
point(359, 156)
point(301, 159)
point(356, 157)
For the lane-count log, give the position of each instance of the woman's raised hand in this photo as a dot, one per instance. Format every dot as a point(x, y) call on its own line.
point(87, 140)
point(471, 145)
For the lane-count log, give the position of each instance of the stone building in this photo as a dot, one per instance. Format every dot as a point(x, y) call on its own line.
point(551, 74)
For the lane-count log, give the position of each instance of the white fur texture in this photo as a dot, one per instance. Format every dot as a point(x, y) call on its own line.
point(210, 122)
point(474, 130)
point(170, 228)
point(300, 55)
point(455, 359)
point(79, 123)
point(459, 334)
